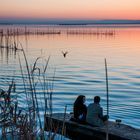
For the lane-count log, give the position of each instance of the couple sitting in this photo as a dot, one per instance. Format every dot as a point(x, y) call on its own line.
point(93, 114)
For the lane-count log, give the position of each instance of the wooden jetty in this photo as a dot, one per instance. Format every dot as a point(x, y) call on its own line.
point(60, 123)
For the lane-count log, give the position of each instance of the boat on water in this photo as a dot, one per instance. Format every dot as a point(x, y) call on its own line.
point(61, 123)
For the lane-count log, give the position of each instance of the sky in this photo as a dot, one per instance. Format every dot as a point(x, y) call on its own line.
point(70, 9)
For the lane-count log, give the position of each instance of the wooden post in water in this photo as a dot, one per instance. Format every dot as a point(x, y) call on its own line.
point(107, 95)
point(63, 126)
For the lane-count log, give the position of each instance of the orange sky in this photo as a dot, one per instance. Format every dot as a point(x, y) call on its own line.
point(78, 9)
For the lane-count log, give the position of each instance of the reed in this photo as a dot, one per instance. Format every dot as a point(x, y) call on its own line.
point(63, 127)
point(90, 32)
point(8, 41)
point(27, 31)
point(1, 38)
point(16, 123)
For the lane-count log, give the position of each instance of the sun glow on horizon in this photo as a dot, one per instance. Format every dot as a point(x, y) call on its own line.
point(70, 9)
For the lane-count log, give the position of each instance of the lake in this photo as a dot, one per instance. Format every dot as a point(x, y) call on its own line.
point(82, 71)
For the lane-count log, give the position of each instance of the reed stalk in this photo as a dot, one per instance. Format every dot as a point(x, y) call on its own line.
point(63, 127)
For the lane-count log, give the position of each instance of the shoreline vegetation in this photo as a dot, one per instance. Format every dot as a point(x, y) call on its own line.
point(18, 122)
point(9, 35)
point(24, 30)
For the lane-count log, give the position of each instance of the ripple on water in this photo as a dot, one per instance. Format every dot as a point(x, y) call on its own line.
point(82, 72)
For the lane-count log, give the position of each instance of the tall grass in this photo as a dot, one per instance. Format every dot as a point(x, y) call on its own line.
point(17, 123)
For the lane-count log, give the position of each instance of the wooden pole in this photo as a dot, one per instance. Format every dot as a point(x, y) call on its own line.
point(107, 91)
point(107, 96)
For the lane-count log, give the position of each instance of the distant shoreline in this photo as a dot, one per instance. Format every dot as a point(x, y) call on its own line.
point(68, 22)
point(99, 24)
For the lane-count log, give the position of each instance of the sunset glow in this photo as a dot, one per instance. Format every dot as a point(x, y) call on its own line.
point(71, 9)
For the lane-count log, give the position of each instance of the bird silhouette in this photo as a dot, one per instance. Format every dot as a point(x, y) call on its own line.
point(64, 53)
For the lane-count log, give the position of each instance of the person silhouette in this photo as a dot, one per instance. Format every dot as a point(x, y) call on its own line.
point(80, 109)
point(95, 115)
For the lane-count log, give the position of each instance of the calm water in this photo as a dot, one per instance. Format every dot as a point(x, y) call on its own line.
point(82, 70)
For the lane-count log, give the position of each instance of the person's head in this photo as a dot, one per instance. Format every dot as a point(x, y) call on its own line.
point(80, 99)
point(97, 99)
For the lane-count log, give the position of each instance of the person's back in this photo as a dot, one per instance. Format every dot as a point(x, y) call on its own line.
point(94, 112)
point(80, 109)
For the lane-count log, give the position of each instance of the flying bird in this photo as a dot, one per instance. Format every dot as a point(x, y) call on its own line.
point(64, 53)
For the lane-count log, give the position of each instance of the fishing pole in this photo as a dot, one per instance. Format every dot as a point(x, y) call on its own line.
point(107, 91)
point(107, 96)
